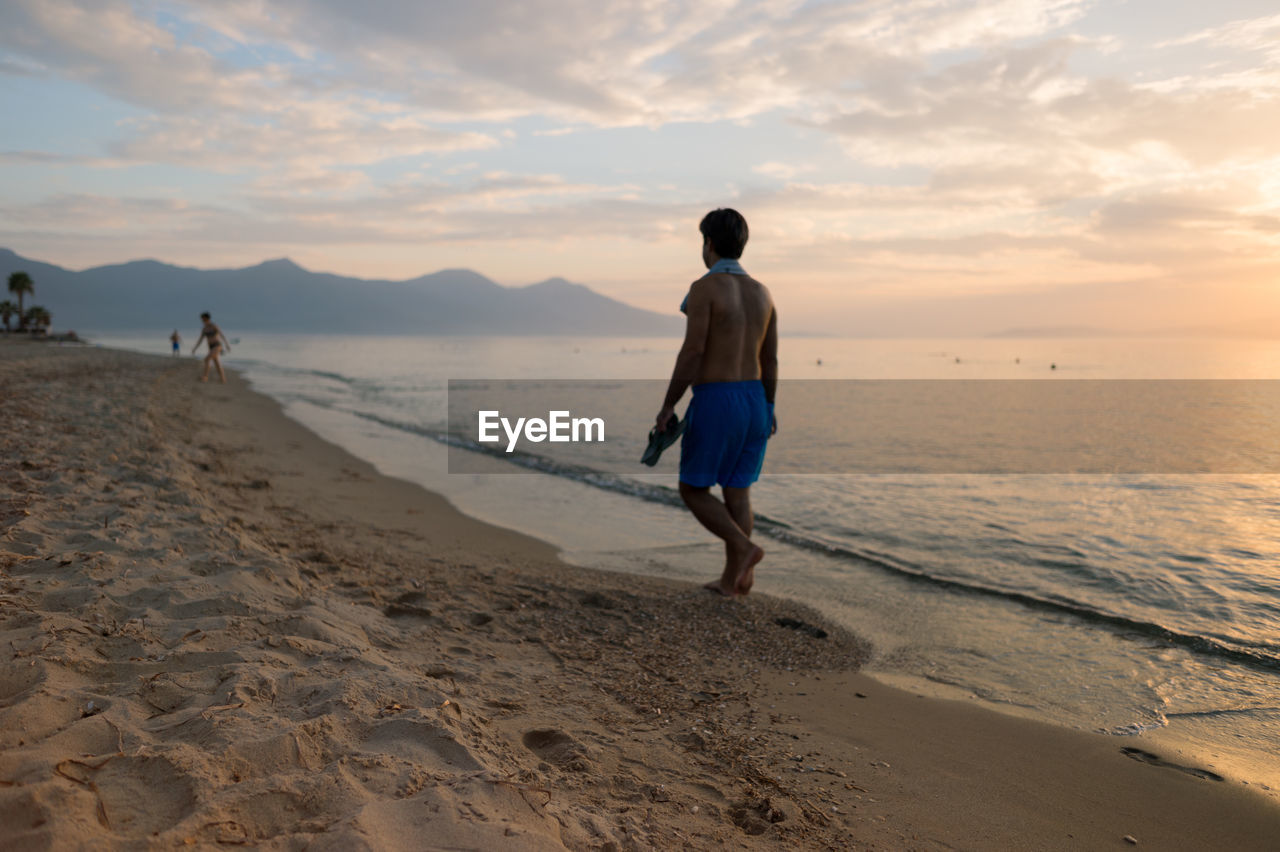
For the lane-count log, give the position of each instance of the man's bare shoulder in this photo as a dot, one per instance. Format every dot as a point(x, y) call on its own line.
point(721, 284)
point(765, 295)
point(702, 288)
point(721, 281)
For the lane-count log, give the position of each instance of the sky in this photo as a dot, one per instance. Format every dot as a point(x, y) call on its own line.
point(918, 166)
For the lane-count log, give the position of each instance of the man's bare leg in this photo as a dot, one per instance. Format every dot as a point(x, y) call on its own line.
point(217, 362)
point(738, 502)
point(714, 515)
point(204, 377)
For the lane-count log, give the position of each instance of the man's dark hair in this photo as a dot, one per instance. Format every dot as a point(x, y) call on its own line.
point(727, 231)
point(204, 315)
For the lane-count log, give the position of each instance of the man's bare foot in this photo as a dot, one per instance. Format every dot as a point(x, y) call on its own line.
point(739, 573)
point(747, 578)
point(204, 378)
point(720, 588)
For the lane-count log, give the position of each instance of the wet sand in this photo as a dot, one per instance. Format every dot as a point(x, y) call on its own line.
point(218, 629)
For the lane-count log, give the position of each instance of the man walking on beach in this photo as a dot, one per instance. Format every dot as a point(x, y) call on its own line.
point(730, 357)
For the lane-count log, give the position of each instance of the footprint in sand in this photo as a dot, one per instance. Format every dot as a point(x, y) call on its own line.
point(410, 605)
point(18, 677)
point(755, 816)
point(25, 817)
point(25, 544)
point(1156, 760)
point(36, 719)
point(269, 813)
point(557, 748)
point(143, 795)
point(422, 743)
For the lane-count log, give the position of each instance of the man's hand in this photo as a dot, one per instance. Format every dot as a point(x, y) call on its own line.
point(664, 416)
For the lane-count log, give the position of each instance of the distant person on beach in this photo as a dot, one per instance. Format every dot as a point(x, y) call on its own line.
point(176, 340)
point(212, 335)
point(730, 357)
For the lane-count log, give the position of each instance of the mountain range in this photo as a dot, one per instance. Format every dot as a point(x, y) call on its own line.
point(279, 295)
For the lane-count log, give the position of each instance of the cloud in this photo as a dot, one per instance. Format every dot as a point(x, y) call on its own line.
point(363, 84)
point(207, 110)
point(42, 158)
point(124, 54)
point(496, 206)
point(1261, 34)
point(781, 171)
point(306, 136)
point(605, 62)
point(17, 69)
point(150, 220)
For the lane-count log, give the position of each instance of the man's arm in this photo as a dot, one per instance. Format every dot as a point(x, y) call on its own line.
point(769, 358)
point(689, 361)
point(769, 367)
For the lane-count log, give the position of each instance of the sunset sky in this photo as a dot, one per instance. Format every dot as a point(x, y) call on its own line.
point(917, 164)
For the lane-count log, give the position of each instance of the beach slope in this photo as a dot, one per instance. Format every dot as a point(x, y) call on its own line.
point(218, 629)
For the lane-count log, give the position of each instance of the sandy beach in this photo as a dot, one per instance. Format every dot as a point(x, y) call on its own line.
point(220, 630)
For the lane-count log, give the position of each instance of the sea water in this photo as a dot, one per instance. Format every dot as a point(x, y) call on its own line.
point(1142, 606)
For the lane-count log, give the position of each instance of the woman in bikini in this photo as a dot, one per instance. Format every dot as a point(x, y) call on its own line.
point(212, 335)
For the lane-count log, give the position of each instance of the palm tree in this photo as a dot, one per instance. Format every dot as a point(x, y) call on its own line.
point(20, 283)
point(7, 310)
point(39, 318)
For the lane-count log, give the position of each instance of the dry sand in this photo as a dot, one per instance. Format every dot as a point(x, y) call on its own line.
point(218, 629)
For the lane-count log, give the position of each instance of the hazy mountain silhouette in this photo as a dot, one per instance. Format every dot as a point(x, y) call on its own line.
point(279, 295)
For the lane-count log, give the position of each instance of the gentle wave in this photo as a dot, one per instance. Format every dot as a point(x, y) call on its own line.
point(301, 371)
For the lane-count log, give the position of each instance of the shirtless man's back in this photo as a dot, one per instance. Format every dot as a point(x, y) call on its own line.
point(729, 356)
point(741, 309)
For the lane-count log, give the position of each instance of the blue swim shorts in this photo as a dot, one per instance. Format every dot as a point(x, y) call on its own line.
point(724, 441)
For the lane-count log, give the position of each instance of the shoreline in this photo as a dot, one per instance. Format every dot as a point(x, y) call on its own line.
point(1224, 750)
point(417, 652)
